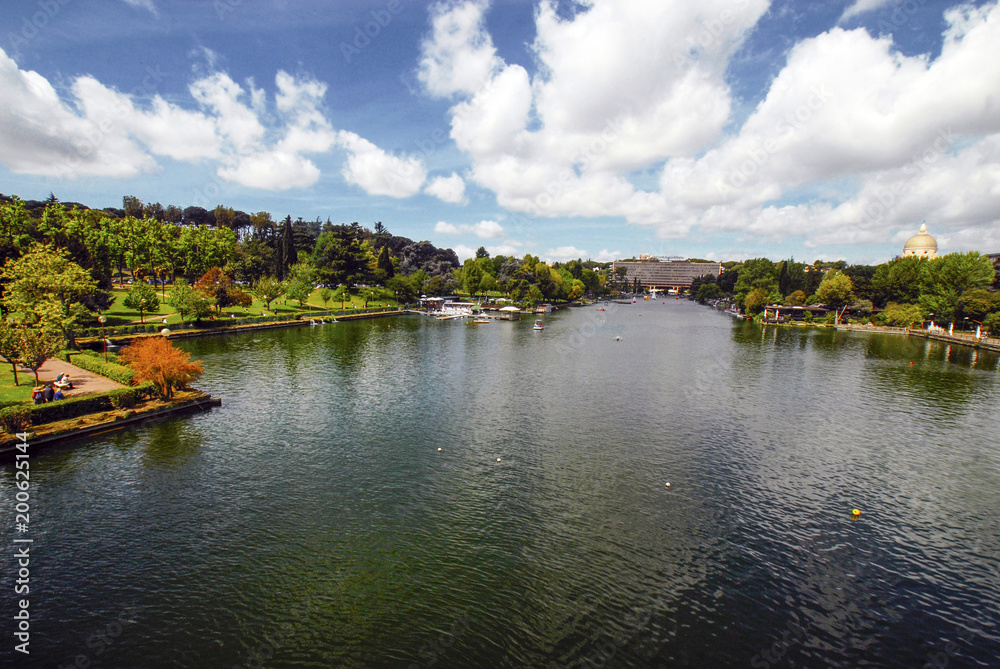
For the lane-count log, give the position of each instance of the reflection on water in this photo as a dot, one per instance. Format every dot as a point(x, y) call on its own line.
point(312, 521)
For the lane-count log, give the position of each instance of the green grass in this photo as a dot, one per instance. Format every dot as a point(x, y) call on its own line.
point(119, 316)
point(9, 393)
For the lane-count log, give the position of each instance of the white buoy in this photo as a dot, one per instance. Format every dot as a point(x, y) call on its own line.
point(668, 484)
point(439, 450)
point(498, 459)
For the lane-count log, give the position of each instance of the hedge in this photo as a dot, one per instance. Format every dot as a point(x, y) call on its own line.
point(74, 407)
point(111, 370)
point(15, 419)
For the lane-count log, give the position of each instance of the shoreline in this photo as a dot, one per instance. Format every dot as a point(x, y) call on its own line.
point(50, 435)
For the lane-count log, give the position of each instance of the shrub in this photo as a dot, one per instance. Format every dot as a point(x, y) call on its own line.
point(126, 398)
point(74, 407)
point(156, 359)
point(15, 419)
point(111, 370)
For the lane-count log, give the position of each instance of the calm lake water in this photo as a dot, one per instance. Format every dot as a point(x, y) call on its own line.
point(312, 521)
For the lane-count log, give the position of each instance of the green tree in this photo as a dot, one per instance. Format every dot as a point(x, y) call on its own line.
point(339, 257)
point(267, 290)
point(708, 291)
point(385, 264)
point(976, 303)
point(902, 315)
point(10, 345)
point(37, 345)
point(755, 301)
point(947, 278)
point(472, 275)
point(42, 278)
point(898, 281)
point(143, 297)
point(992, 323)
point(756, 273)
point(325, 294)
point(182, 297)
point(835, 291)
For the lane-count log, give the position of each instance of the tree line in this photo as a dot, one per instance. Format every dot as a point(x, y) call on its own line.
point(906, 291)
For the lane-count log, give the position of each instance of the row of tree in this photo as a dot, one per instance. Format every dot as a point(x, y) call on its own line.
point(951, 288)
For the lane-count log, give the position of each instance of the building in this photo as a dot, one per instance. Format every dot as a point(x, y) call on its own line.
point(666, 275)
point(921, 245)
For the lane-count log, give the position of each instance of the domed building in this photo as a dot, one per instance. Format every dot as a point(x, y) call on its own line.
point(921, 245)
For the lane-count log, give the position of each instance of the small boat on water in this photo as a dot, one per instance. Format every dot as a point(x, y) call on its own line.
point(480, 320)
point(539, 325)
point(601, 309)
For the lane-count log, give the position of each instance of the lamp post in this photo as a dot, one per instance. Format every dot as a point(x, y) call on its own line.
point(103, 319)
point(965, 322)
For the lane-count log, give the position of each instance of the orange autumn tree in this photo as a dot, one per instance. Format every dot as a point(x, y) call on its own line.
point(156, 359)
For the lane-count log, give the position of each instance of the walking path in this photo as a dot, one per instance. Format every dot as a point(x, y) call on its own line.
point(84, 382)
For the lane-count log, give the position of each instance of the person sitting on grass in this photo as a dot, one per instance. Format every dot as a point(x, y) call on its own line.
point(58, 395)
point(36, 395)
point(48, 393)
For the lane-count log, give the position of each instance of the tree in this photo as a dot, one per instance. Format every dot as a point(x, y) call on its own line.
point(268, 290)
point(218, 285)
point(325, 294)
point(898, 280)
point(708, 291)
point(992, 323)
point(385, 264)
point(947, 278)
point(836, 291)
point(35, 345)
point(976, 303)
point(796, 298)
point(754, 274)
point(186, 301)
point(902, 315)
point(143, 297)
point(10, 346)
point(755, 301)
point(45, 277)
point(481, 252)
point(339, 257)
point(156, 359)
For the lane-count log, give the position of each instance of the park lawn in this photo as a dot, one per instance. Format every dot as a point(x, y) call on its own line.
point(374, 296)
point(11, 393)
point(119, 314)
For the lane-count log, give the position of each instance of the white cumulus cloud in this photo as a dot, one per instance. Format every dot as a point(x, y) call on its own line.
point(483, 229)
point(378, 172)
point(448, 189)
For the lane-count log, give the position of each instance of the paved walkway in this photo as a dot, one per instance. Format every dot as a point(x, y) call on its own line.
point(84, 382)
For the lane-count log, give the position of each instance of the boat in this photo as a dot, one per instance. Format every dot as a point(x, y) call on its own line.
point(601, 309)
point(539, 325)
point(480, 320)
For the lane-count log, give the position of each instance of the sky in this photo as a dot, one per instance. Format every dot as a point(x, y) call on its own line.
point(600, 129)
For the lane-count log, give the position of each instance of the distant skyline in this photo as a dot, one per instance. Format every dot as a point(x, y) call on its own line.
point(725, 129)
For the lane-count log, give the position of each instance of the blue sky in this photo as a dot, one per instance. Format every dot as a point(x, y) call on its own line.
point(722, 129)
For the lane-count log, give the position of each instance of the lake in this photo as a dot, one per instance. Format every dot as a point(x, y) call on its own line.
point(409, 493)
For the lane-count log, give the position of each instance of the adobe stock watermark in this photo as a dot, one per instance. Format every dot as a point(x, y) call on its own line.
point(225, 7)
point(709, 36)
point(434, 650)
point(363, 35)
point(901, 16)
point(102, 640)
point(890, 196)
point(31, 27)
point(759, 155)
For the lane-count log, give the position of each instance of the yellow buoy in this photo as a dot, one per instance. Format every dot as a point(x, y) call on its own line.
point(856, 513)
